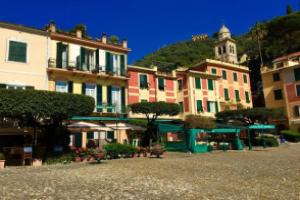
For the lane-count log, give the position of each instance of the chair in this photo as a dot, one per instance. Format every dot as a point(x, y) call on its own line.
point(27, 154)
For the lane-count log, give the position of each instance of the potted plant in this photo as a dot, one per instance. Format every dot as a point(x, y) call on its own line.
point(97, 154)
point(2, 160)
point(76, 155)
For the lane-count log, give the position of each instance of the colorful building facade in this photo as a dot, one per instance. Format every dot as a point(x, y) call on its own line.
point(281, 87)
point(23, 57)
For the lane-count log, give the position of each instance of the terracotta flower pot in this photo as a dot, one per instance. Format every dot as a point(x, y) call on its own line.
point(2, 164)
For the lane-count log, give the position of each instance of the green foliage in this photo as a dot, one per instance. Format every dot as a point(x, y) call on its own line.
point(113, 39)
point(155, 108)
point(291, 135)
point(81, 27)
point(59, 159)
point(115, 150)
point(179, 54)
point(268, 141)
point(2, 156)
point(42, 105)
point(201, 122)
point(255, 114)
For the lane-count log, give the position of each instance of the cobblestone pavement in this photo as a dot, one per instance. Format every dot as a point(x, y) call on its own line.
point(272, 173)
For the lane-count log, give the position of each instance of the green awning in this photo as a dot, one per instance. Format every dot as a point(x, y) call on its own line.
point(78, 118)
point(261, 126)
point(164, 128)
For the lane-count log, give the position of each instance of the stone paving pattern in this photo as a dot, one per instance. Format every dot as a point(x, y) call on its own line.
point(272, 173)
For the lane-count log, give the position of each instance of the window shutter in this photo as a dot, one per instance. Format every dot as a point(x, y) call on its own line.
point(214, 71)
point(122, 60)
point(97, 57)
point(59, 50)
point(210, 84)
point(297, 74)
point(208, 106)
point(2, 86)
point(108, 62)
point(78, 140)
point(17, 51)
point(245, 78)
point(99, 98)
point(83, 86)
point(70, 86)
point(237, 95)
point(226, 96)
point(161, 84)
point(198, 83)
point(199, 106)
point(82, 57)
point(224, 75)
point(123, 100)
point(247, 96)
point(109, 98)
point(235, 76)
point(217, 107)
point(90, 135)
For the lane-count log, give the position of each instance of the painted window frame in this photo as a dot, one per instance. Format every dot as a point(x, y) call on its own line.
point(65, 90)
point(146, 87)
point(8, 49)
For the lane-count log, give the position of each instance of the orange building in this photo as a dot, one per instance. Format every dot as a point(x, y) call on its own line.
point(281, 86)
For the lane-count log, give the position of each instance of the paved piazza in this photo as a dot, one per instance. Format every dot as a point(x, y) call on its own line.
point(272, 173)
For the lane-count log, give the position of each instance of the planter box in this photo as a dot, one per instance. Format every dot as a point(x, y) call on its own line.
point(2, 164)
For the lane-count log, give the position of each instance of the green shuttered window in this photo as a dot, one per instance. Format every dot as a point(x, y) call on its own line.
point(109, 67)
point(297, 74)
point(224, 74)
point(197, 83)
point(109, 98)
point(199, 106)
point(245, 78)
point(226, 95)
point(161, 84)
point(237, 95)
point(99, 98)
point(235, 78)
point(247, 97)
point(210, 84)
point(17, 51)
point(143, 81)
point(214, 71)
point(83, 86)
point(123, 100)
point(122, 63)
point(70, 86)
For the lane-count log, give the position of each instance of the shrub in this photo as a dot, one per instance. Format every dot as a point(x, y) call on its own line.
point(61, 158)
point(2, 156)
point(269, 141)
point(291, 135)
point(202, 122)
point(115, 150)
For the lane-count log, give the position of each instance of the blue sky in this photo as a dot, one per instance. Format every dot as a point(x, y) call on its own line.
point(147, 24)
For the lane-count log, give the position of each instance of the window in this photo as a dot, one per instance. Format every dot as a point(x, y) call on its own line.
point(277, 94)
point(247, 97)
point(179, 82)
point(245, 78)
point(143, 81)
point(220, 50)
point(235, 78)
point(61, 86)
point(214, 71)
point(61, 55)
point(161, 84)
point(17, 51)
point(297, 74)
point(199, 106)
point(276, 77)
point(224, 49)
point(298, 90)
point(296, 111)
point(226, 96)
point(237, 95)
point(224, 74)
point(90, 90)
point(181, 106)
point(197, 83)
point(210, 84)
point(212, 106)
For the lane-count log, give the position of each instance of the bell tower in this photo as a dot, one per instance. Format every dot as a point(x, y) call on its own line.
point(225, 48)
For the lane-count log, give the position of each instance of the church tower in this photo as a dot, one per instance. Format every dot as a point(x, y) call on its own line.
point(225, 48)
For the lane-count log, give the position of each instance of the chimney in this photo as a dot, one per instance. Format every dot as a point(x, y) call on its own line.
point(104, 38)
point(124, 43)
point(52, 27)
point(78, 33)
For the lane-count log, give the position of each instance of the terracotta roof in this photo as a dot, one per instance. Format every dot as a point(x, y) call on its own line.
point(295, 54)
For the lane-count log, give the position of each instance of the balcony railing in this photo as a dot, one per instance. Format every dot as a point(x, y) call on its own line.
point(86, 67)
point(110, 108)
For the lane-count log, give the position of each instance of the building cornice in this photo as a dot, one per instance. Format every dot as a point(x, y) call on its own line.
point(23, 29)
point(222, 64)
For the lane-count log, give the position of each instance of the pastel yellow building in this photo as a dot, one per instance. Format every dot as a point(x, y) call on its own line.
point(23, 57)
point(281, 87)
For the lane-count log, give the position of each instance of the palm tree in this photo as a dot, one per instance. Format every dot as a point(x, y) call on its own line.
point(258, 32)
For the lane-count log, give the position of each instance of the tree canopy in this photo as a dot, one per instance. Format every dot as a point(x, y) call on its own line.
point(43, 105)
point(250, 115)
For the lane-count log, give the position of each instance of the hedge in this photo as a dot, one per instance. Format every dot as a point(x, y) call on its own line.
point(291, 135)
point(43, 104)
point(115, 150)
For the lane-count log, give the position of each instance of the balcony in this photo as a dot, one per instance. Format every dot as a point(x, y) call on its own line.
point(90, 68)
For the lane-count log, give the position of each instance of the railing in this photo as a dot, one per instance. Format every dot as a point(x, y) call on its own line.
point(111, 108)
point(93, 68)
